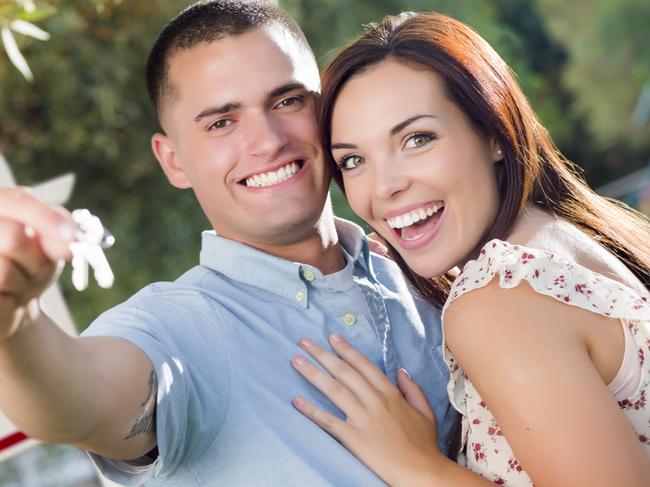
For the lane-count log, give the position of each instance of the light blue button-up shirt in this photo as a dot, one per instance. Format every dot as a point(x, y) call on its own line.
point(221, 339)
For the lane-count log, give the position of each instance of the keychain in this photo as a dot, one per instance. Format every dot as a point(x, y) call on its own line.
point(88, 250)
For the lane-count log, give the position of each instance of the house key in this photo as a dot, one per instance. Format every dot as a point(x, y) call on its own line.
point(88, 250)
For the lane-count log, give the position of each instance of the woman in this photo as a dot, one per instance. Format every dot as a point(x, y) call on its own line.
point(547, 326)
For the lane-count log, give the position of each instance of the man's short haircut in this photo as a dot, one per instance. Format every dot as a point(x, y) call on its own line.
point(202, 23)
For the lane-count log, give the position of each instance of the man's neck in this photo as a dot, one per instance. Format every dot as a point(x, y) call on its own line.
point(320, 249)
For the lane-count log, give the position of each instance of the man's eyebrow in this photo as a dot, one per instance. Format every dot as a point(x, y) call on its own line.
point(395, 130)
point(281, 90)
point(208, 112)
point(402, 125)
point(228, 107)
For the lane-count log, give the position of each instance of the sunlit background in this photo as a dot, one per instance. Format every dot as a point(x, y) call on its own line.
point(585, 65)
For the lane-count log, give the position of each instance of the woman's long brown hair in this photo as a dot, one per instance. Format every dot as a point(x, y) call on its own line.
point(533, 171)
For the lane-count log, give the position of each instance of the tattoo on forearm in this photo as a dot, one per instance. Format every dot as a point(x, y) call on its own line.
point(146, 420)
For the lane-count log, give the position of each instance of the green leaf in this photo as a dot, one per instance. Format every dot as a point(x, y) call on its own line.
point(41, 13)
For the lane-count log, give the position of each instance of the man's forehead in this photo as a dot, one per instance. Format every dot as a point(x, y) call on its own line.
point(266, 57)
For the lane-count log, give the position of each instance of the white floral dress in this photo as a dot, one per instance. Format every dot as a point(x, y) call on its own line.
point(484, 449)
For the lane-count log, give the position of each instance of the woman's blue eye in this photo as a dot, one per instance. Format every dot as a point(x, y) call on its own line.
point(350, 162)
point(418, 140)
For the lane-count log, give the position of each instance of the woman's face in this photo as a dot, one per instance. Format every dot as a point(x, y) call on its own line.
point(413, 165)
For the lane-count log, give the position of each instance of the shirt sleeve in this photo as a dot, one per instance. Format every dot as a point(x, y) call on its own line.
point(179, 333)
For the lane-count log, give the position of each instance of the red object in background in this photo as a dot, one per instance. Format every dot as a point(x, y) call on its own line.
point(12, 440)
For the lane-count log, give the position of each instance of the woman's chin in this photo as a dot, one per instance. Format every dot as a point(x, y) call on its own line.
point(427, 268)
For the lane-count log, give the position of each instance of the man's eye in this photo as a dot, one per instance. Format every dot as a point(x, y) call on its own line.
point(220, 124)
point(418, 140)
point(350, 162)
point(291, 101)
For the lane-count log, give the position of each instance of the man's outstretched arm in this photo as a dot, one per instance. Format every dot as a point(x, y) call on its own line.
point(96, 393)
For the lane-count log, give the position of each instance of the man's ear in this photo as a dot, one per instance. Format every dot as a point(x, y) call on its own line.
point(165, 151)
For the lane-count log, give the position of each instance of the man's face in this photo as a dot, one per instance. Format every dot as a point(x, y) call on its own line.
point(241, 132)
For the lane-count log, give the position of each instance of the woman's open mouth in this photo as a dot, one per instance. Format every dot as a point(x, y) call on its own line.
point(416, 227)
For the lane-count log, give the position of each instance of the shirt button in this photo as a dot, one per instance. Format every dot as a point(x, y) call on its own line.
point(300, 296)
point(349, 319)
point(309, 275)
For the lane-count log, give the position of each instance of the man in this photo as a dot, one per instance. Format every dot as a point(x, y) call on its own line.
point(190, 383)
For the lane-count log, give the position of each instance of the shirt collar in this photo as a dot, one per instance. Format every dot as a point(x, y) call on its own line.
point(284, 278)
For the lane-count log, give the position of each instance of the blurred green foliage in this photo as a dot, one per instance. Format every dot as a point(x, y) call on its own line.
point(582, 64)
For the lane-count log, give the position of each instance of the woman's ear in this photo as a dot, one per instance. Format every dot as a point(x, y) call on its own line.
point(165, 151)
point(495, 149)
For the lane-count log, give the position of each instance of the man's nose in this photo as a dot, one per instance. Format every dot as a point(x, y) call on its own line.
point(266, 137)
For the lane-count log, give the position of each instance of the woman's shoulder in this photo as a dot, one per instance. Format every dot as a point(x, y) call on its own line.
point(556, 259)
point(500, 309)
point(540, 230)
point(508, 282)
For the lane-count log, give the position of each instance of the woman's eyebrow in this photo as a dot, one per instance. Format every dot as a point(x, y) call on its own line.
point(395, 130)
point(402, 125)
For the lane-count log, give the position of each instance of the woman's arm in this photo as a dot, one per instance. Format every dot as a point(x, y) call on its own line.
point(393, 438)
point(529, 358)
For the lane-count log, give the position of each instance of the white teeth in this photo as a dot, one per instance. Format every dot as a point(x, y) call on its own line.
point(273, 177)
point(414, 216)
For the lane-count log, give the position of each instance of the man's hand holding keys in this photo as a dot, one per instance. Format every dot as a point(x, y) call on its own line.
point(35, 239)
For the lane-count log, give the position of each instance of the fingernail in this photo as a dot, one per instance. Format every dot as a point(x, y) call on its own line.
point(336, 338)
point(298, 401)
point(306, 343)
point(299, 361)
point(405, 372)
point(67, 231)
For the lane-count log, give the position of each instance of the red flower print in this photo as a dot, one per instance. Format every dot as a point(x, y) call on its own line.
point(526, 257)
point(636, 405)
point(536, 273)
point(641, 356)
point(513, 463)
point(644, 439)
point(479, 453)
point(499, 481)
point(508, 275)
point(583, 289)
point(494, 431)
